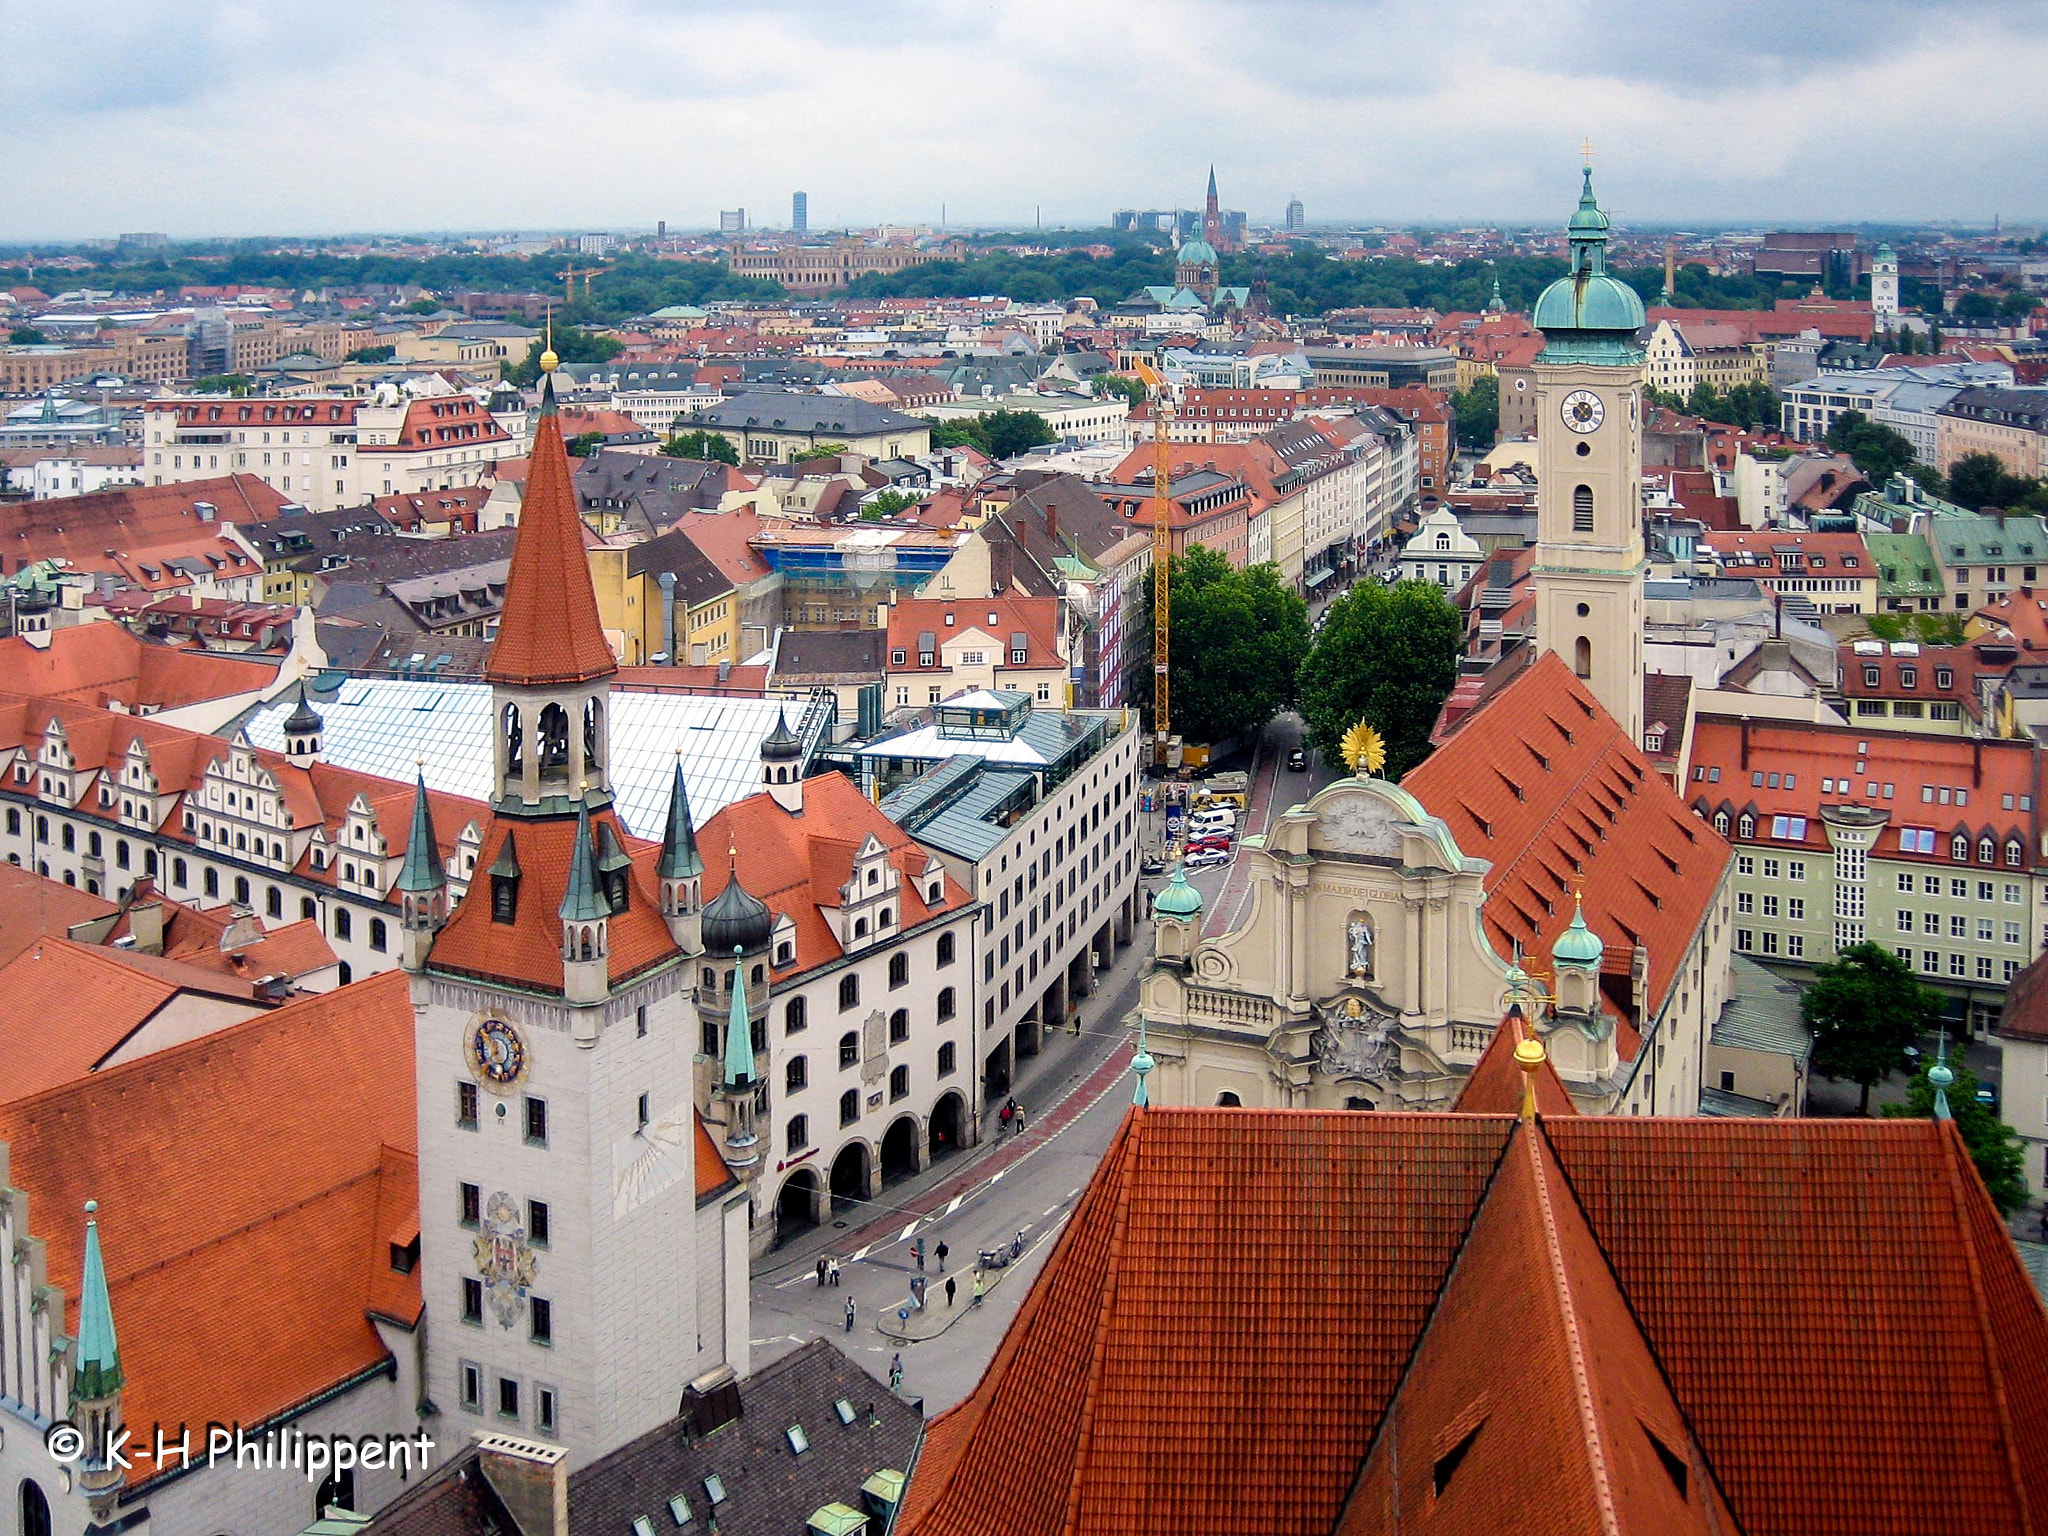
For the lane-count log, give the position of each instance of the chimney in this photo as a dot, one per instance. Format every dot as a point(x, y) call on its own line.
point(531, 1479)
point(1052, 520)
point(1001, 567)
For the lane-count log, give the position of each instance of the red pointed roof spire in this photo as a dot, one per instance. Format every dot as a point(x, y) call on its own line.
point(549, 632)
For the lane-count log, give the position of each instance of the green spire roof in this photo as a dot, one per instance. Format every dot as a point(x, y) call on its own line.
point(97, 1372)
point(1589, 315)
point(1578, 944)
point(739, 1031)
point(1141, 1064)
point(679, 859)
point(583, 901)
point(1940, 1075)
point(422, 870)
point(1198, 253)
point(506, 865)
point(1179, 899)
point(305, 719)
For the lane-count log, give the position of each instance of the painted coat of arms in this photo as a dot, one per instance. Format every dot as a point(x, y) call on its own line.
point(504, 1258)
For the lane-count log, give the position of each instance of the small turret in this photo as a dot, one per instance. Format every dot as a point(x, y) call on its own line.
point(681, 871)
point(737, 1086)
point(782, 768)
point(422, 885)
point(1576, 956)
point(586, 939)
point(1176, 918)
point(96, 1378)
point(304, 732)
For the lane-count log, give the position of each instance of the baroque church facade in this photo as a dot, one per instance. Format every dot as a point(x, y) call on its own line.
point(1535, 859)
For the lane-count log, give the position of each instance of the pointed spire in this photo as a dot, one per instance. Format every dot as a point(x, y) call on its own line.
point(1212, 181)
point(1940, 1075)
point(583, 901)
point(549, 632)
point(739, 1030)
point(679, 858)
point(97, 1372)
point(1141, 1064)
point(423, 870)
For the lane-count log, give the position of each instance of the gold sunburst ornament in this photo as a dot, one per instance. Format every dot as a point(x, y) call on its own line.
point(1363, 748)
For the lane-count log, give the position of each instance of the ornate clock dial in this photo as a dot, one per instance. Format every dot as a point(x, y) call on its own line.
point(1583, 410)
point(496, 1053)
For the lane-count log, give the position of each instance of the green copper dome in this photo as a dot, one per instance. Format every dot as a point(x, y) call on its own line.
point(1179, 899)
point(1578, 944)
point(1589, 316)
point(1198, 253)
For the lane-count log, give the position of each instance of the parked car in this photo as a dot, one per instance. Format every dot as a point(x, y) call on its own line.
point(1213, 843)
point(1988, 1097)
point(1207, 858)
point(1151, 864)
point(1297, 761)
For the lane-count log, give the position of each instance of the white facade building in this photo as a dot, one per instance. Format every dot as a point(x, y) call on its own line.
point(1442, 552)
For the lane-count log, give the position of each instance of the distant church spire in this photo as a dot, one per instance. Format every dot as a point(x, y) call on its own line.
point(1212, 215)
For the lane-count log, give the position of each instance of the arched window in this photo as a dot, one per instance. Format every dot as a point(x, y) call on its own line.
point(93, 844)
point(273, 902)
point(515, 741)
point(121, 853)
point(849, 1106)
point(860, 927)
point(379, 934)
point(899, 970)
point(70, 837)
point(1228, 1100)
point(849, 1049)
point(1746, 827)
point(35, 1510)
point(849, 992)
point(784, 953)
point(799, 1132)
point(337, 1492)
point(308, 909)
point(946, 1059)
point(149, 862)
point(1582, 657)
point(242, 890)
point(754, 977)
point(2014, 852)
point(793, 1016)
point(13, 822)
point(342, 924)
point(1582, 509)
point(899, 1026)
point(552, 739)
point(888, 916)
point(899, 1083)
point(946, 1008)
point(796, 1075)
point(1959, 848)
point(178, 873)
point(593, 724)
point(945, 955)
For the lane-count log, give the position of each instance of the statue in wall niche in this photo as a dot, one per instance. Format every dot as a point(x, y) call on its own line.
point(1358, 933)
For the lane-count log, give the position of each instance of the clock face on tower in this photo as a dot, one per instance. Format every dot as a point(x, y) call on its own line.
point(496, 1053)
point(1583, 410)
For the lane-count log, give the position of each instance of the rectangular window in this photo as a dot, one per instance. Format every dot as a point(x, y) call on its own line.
point(542, 1316)
point(1958, 965)
point(1983, 967)
point(1770, 906)
point(472, 1386)
point(1930, 922)
point(2012, 933)
point(1985, 931)
point(536, 1122)
point(538, 1224)
point(544, 1409)
point(1930, 962)
point(1745, 864)
point(1958, 927)
point(1770, 869)
point(472, 1300)
point(508, 1398)
point(1959, 889)
point(1795, 908)
point(472, 1205)
point(1770, 942)
point(2012, 895)
point(1745, 940)
point(1745, 902)
point(1795, 946)
point(466, 1105)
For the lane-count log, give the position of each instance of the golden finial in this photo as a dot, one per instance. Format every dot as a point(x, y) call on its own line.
point(1363, 748)
point(548, 360)
point(1529, 1054)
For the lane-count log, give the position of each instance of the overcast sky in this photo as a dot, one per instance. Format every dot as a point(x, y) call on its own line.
point(291, 117)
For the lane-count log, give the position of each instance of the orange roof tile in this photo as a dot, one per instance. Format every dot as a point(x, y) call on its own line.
point(110, 664)
point(31, 907)
point(1542, 782)
point(287, 1254)
point(549, 630)
point(946, 619)
point(1495, 1086)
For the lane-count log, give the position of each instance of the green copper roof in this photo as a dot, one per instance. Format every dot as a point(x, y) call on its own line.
point(506, 865)
point(679, 859)
point(583, 902)
point(97, 1372)
point(1940, 1075)
point(739, 1031)
point(1578, 944)
point(1588, 315)
point(1198, 253)
point(422, 870)
point(1141, 1064)
point(836, 1520)
point(1179, 899)
point(305, 718)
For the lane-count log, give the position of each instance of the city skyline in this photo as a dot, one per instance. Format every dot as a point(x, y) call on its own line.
point(1700, 114)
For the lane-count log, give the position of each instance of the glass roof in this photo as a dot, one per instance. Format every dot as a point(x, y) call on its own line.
point(387, 725)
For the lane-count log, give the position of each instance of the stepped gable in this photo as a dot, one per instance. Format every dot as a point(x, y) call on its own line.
point(1543, 784)
point(301, 1256)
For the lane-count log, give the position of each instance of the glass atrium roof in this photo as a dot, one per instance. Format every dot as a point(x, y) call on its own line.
point(387, 725)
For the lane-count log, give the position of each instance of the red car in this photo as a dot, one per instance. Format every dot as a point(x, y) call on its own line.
point(1214, 842)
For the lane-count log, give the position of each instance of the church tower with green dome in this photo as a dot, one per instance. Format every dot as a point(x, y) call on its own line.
point(1590, 561)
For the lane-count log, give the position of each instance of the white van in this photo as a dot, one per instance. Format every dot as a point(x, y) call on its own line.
point(1215, 818)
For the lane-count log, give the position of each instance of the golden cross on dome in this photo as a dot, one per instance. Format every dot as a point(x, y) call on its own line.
point(1586, 149)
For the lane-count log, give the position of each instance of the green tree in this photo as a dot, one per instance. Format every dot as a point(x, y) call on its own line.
point(1478, 413)
point(1982, 480)
point(959, 432)
point(423, 307)
point(1009, 433)
point(1872, 446)
point(571, 346)
point(887, 504)
point(1865, 1007)
point(373, 354)
point(27, 336)
point(1133, 390)
point(1994, 1145)
point(223, 384)
point(1385, 655)
point(584, 444)
point(819, 451)
point(1238, 639)
point(712, 446)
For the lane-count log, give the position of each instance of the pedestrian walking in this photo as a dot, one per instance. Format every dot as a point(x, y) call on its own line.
point(950, 1283)
point(1009, 1110)
point(917, 1252)
point(833, 1273)
point(849, 1314)
point(979, 1286)
point(943, 1251)
point(896, 1373)
point(1020, 1117)
point(821, 1269)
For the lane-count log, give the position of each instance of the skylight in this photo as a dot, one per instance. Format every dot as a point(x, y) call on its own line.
point(799, 1442)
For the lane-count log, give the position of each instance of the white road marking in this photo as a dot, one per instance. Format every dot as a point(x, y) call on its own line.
point(1048, 1210)
point(860, 1254)
point(997, 1176)
point(955, 1205)
point(904, 1235)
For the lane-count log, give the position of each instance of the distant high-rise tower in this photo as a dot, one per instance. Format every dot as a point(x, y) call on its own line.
point(799, 212)
point(1884, 288)
point(1296, 217)
point(732, 221)
point(1212, 215)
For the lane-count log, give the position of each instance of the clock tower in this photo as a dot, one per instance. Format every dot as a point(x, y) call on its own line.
point(1590, 562)
point(582, 1243)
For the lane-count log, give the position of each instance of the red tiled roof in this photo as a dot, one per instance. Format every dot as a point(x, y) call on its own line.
point(2020, 616)
point(31, 907)
point(549, 630)
point(947, 619)
point(1495, 1086)
point(133, 520)
point(1542, 782)
point(436, 422)
point(289, 1254)
point(110, 664)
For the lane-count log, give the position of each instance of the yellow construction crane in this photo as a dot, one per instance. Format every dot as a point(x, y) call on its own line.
point(568, 275)
point(1162, 555)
